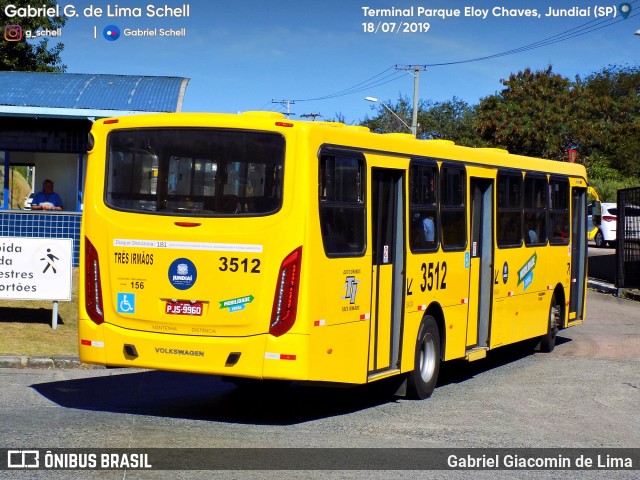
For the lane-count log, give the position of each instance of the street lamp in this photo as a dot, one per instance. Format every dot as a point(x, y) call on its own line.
point(637, 32)
point(375, 100)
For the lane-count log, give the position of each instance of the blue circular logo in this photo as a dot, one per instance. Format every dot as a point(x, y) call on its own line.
point(182, 273)
point(111, 33)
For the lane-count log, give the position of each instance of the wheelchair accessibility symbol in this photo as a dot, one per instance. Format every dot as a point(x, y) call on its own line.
point(126, 303)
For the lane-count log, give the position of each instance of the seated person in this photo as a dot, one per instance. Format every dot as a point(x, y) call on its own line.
point(429, 229)
point(47, 199)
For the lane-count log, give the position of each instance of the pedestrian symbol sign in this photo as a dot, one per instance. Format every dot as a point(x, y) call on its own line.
point(35, 268)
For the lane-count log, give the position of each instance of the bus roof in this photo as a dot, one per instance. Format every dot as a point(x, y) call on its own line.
point(352, 136)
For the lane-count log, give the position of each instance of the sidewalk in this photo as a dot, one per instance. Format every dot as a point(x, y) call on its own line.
point(72, 362)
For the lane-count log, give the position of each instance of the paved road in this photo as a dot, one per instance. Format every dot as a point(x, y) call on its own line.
point(585, 395)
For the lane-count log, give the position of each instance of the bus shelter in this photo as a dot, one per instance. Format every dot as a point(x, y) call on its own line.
point(45, 119)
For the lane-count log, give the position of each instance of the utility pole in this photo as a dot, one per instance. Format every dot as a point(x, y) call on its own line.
point(416, 69)
point(286, 104)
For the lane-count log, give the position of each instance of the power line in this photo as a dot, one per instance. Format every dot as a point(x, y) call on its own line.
point(560, 37)
point(360, 87)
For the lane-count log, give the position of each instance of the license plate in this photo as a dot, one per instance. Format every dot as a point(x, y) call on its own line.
point(183, 308)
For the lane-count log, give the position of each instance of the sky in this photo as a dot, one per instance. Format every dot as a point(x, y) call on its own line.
point(328, 55)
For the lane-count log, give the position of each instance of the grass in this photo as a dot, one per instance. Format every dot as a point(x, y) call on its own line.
point(25, 326)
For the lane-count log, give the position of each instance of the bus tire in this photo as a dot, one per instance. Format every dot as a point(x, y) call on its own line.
point(422, 380)
point(548, 340)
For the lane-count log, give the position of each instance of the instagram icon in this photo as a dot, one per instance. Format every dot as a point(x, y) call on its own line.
point(13, 33)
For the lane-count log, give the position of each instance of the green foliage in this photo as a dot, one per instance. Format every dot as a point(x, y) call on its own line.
point(529, 117)
point(543, 114)
point(608, 124)
point(451, 120)
point(608, 189)
point(31, 55)
point(387, 122)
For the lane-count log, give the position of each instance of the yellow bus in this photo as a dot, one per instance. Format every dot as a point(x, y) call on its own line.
point(252, 246)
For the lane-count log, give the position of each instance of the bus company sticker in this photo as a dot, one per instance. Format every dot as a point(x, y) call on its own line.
point(467, 259)
point(182, 273)
point(351, 289)
point(525, 274)
point(505, 272)
point(236, 304)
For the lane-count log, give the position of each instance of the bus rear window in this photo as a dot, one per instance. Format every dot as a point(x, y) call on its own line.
point(199, 171)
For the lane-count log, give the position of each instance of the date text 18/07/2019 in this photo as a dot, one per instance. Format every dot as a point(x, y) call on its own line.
point(395, 27)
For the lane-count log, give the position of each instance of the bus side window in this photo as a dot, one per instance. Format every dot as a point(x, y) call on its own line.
point(535, 211)
point(509, 209)
point(452, 207)
point(423, 181)
point(341, 203)
point(559, 211)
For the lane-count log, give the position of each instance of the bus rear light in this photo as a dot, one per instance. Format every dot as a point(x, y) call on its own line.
point(285, 301)
point(187, 224)
point(93, 288)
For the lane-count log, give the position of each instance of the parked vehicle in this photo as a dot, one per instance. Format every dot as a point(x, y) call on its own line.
point(605, 219)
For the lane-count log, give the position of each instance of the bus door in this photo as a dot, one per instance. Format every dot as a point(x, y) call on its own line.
point(578, 254)
point(388, 269)
point(481, 263)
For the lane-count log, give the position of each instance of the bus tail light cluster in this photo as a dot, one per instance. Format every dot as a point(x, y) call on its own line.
point(92, 288)
point(285, 301)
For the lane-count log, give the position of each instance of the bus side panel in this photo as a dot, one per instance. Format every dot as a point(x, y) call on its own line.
point(515, 316)
point(524, 282)
point(439, 279)
point(339, 352)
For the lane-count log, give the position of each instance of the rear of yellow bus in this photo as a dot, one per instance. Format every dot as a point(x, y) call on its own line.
point(191, 252)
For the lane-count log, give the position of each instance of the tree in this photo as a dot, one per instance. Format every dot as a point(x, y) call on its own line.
point(29, 55)
point(385, 121)
point(450, 120)
point(607, 124)
point(529, 116)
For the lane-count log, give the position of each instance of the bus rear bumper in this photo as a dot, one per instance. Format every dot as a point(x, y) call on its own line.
point(248, 357)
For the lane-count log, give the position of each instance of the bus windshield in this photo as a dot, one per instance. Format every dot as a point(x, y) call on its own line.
point(195, 171)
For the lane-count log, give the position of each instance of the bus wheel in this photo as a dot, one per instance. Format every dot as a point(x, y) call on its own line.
point(599, 239)
point(548, 340)
point(422, 380)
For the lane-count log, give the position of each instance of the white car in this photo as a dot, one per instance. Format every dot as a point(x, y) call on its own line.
point(606, 222)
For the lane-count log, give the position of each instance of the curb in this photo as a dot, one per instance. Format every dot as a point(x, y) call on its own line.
point(605, 287)
point(44, 362)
